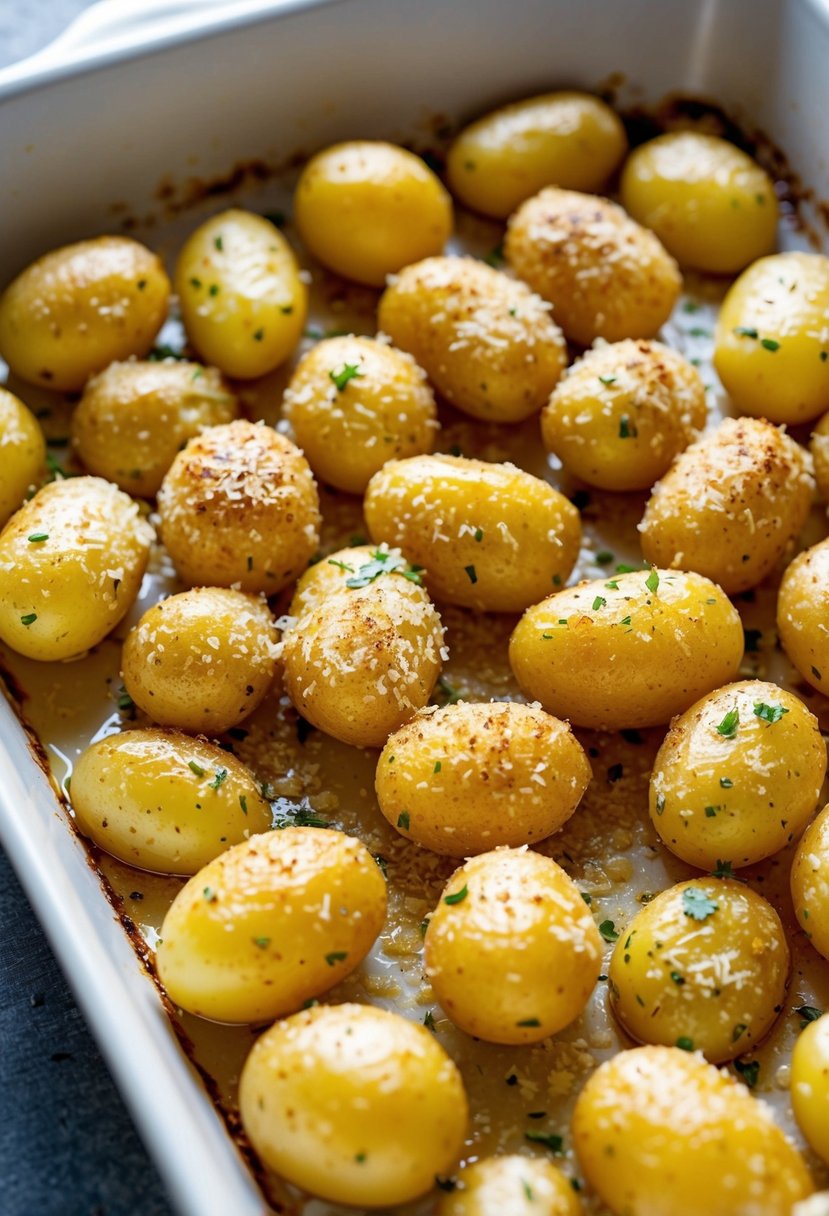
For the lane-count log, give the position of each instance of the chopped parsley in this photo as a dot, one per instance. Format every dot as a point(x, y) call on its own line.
point(210, 895)
point(457, 897)
point(218, 243)
point(749, 1070)
point(728, 727)
point(195, 768)
point(403, 820)
point(711, 811)
point(549, 1139)
point(261, 942)
point(604, 558)
point(437, 767)
point(479, 535)
point(652, 581)
point(607, 379)
point(698, 905)
point(684, 1043)
point(336, 956)
point(243, 803)
point(37, 538)
point(726, 783)
point(745, 331)
point(769, 344)
point(429, 1020)
point(738, 1031)
point(384, 563)
point(599, 602)
point(258, 335)
point(769, 713)
point(528, 1022)
point(627, 429)
point(471, 574)
point(808, 1013)
point(332, 561)
point(218, 780)
point(349, 371)
point(723, 869)
point(677, 978)
point(608, 931)
point(28, 618)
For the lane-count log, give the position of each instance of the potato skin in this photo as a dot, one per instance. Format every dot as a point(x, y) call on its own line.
point(770, 769)
point(731, 505)
point(242, 301)
point(810, 882)
point(710, 203)
point(658, 1130)
point(464, 779)
point(355, 1104)
point(771, 338)
point(164, 802)
point(270, 923)
point(563, 139)
point(490, 536)
point(650, 654)
point(801, 614)
point(386, 411)
point(810, 1084)
point(240, 506)
point(363, 661)
point(201, 660)
point(81, 307)
point(706, 960)
point(63, 594)
point(520, 1186)
point(133, 418)
point(486, 342)
point(622, 413)
point(22, 453)
point(516, 958)
point(605, 275)
point(366, 209)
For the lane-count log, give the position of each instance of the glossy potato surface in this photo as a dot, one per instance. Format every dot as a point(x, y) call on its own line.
point(272, 922)
point(810, 882)
point(810, 1084)
point(490, 536)
point(22, 453)
point(81, 307)
point(521, 1186)
point(354, 1104)
point(653, 642)
point(161, 801)
point(801, 614)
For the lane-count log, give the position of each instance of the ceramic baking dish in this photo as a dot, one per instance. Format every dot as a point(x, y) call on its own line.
point(134, 107)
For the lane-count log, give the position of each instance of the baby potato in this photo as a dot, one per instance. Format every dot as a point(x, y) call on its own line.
point(201, 660)
point(801, 624)
point(810, 1085)
point(819, 447)
point(71, 564)
point(658, 1130)
point(22, 453)
point(738, 775)
point(710, 203)
point(164, 802)
point(243, 303)
point(605, 276)
point(486, 342)
point(355, 403)
point(702, 966)
point(364, 660)
point(491, 536)
point(274, 921)
point(731, 505)
point(467, 778)
point(511, 949)
point(566, 139)
point(517, 1186)
point(622, 413)
point(652, 644)
point(362, 564)
point(771, 348)
point(133, 418)
point(354, 1104)
point(810, 882)
point(79, 308)
point(366, 209)
point(239, 507)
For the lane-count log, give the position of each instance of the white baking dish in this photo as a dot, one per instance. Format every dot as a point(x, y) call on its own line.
point(133, 97)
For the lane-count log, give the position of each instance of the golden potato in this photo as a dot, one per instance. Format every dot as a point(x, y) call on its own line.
point(652, 643)
point(658, 1130)
point(365, 659)
point(731, 505)
point(81, 307)
point(22, 453)
point(703, 966)
point(709, 203)
point(71, 564)
point(490, 536)
point(367, 208)
point(738, 775)
point(242, 300)
point(810, 1085)
point(272, 922)
point(161, 801)
point(355, 403)
point(605, 276)
point(511, 949)
point(354, 1104)
point(801, 614)
point(622, 413)
point(510, 1186)
point(566, 139)
point(771, 347)
point(819, 447)
point(239, 507)
point(133, 418)
point(486, 342)
point(464, 779)
point(201, 660)
point(810, 882)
